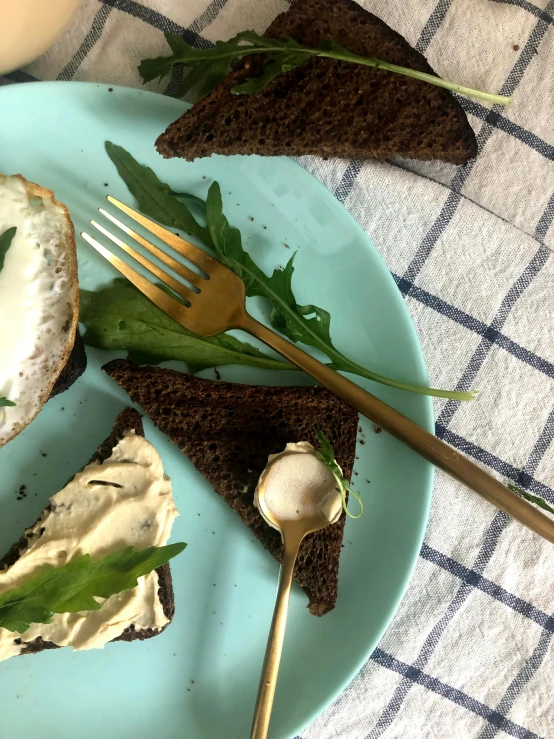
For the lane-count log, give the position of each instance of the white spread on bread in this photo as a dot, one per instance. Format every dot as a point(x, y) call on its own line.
point(126, 501)
point(38, 299)
point(299, 485)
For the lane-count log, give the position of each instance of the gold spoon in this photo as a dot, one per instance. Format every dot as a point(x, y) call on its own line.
point(307, 503)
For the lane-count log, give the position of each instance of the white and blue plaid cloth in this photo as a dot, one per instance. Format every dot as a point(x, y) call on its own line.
point(470, 652)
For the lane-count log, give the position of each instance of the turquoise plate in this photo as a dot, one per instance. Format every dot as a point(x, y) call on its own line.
point(199, 678)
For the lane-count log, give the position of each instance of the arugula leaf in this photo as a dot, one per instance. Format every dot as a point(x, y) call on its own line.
point(5, 403)
point(540, 502)
point(151, 69)
point(75, 586)
point(183, 53)
point(155, 197)
point(307, 324)
point(207, 71)
point(193, 200)
point(5, 242)
point(209, 66)
point(326, 454)
point(292, 55)
point(207, 74)
point(121, 317)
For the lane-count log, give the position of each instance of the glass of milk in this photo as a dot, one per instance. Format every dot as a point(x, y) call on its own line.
point(29, 27)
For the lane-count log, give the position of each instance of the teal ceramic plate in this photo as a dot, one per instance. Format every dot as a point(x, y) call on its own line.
point(199, 678)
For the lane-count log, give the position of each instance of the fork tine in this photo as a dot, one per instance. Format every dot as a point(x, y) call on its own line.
point(154, 293)
point(178, 287)
point(192, 253)
point(183, 271)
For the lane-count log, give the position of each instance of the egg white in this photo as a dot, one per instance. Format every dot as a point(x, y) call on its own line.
point(38, 300)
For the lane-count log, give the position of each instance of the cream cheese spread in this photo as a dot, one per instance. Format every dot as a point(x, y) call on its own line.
point(126, 501)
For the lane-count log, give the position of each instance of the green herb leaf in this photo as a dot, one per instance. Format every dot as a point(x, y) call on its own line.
point(209, 66)
point(540, 502)
point(161, 66)
point(290, 56)
point(5, 242)
point(192, 200)
point(326, 454)
point(5, 403)
point(121, 317)
point(155, 197)
point(307, 324)
point(325, 448)
point(75, 586)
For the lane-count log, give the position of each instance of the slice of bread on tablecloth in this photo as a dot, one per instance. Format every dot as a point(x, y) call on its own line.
point(325, 107)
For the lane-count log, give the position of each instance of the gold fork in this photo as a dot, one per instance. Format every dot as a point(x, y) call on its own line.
point(215, 302)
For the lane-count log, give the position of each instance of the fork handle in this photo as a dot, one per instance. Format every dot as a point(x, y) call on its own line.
point(407, 431)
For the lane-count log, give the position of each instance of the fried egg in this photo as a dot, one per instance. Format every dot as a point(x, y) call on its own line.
point(39, 300)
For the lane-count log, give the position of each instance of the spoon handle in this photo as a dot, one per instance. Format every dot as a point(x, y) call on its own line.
point(270, 670)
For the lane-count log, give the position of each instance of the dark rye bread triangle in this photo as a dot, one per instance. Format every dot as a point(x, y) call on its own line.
point(127, 420)
point(326, 107)
point(228, 430)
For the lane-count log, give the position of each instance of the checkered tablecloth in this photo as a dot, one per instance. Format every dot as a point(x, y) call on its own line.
point(469, 653)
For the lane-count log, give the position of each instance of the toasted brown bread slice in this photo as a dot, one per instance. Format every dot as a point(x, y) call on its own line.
point(326, 107)
point(228, 430)
point(128, 420)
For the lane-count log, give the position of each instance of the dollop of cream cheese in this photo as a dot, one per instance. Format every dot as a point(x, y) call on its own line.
point(125, 501)
point(298, 485)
